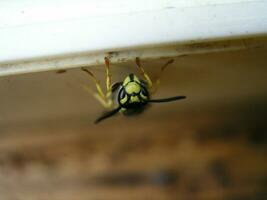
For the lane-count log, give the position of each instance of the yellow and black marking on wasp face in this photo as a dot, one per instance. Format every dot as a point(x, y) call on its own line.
point(131, 96)
point(132, 93)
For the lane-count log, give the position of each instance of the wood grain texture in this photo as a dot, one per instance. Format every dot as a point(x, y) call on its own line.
point(209, 146)
point(208, 158)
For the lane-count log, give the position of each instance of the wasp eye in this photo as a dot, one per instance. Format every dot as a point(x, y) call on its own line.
point(122, 94)
point(144, 93)
point(123, 98)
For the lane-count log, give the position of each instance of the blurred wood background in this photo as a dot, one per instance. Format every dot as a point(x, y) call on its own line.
point(210, 146)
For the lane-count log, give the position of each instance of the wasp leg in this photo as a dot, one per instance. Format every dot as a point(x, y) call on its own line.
point(108, 77)
point(99, 95)
point(144, 74)
point(159, 76)
point(96, 95)
point(108, 83)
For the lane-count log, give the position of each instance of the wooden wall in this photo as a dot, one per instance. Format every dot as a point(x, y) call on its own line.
point(210, 146)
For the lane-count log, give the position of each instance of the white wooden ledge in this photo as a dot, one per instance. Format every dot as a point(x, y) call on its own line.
point(46, 35)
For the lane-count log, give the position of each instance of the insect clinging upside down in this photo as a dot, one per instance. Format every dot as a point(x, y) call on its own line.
point(131, 96)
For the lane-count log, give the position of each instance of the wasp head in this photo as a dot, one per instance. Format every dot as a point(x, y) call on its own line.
point(133, 92)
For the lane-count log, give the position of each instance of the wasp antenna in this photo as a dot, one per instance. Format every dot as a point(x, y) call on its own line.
point(166, 99)
point(107, 115)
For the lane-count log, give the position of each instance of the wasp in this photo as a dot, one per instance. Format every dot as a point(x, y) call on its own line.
point(130, 96)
